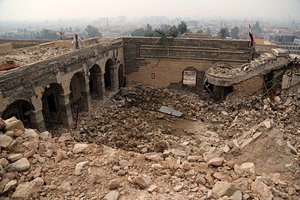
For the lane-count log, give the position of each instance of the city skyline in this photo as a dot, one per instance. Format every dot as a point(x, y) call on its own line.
point(20, 10)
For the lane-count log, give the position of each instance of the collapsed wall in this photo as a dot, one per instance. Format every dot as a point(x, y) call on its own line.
point(249, 77)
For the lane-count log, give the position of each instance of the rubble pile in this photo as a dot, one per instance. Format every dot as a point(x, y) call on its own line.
point(31, 55)
point(215, 151)
point(222, 70)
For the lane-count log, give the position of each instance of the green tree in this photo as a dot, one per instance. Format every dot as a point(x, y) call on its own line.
point(182, 27)
point(47, 34)
point(224, 32)
point(235, 31)
point(92, 31)
point(138, 32)
point(149, 32)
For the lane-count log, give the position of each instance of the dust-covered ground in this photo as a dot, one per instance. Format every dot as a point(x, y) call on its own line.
point(124, 148)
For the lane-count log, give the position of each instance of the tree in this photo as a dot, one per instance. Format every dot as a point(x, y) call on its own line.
point(182, 27)
point(235, 31)
point(47, 34)
point(92, 31)
point(138, 32)
point(173, 31)
point(208, 31)
point(148, 31)
point(224, 32)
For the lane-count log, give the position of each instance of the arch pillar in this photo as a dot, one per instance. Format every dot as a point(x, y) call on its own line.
point(114, 77)
point(37, 119)
point(100, 84)
point(65, 110)
point(86, 96)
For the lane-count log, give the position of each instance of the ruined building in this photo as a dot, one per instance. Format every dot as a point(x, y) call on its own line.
point(41, 84)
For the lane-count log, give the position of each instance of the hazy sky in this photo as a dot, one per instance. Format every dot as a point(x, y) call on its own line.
point(68, 9)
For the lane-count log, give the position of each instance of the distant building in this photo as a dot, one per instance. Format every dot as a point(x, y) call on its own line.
point(291, 48)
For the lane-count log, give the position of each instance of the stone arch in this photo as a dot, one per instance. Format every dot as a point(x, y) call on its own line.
point(108, 75)
point(21, 109)
point(80, 92)
point(51, 104)
point(96, 81)
point(121, 76)
point(77, 86)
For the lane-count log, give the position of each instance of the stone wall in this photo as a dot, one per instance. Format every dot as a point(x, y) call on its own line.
point(16, 44)
point(248, 87)
point(166, 58)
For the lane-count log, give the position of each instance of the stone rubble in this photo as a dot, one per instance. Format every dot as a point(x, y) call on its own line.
point(114, 157)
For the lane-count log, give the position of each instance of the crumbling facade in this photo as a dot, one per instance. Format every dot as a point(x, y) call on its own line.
point(45, 89)
point(50, 86)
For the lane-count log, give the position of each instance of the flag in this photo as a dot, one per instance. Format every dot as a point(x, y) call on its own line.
point(252, 42)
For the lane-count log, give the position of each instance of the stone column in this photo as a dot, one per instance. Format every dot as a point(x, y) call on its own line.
point(218, 91)
point(100, 84)
point(200, 81)
point(86, 96)
point(37, 120)
point(114, 78)
point(65, 110)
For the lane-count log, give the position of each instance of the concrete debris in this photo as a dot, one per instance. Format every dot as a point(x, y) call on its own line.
point(170, 111)
point(112, 195)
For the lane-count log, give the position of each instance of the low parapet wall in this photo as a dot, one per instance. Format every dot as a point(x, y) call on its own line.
point(224, 76)
point(5, 48)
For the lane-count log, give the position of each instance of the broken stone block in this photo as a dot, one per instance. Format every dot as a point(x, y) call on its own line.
point(20, 165)
point(245, 168)
point(78, 148)
point(112, 195)
point(246, 142)
point(262, 190)
point(195, 158)
point(31, 134)
point(152, 188)
point(80, 167)
point(178, 153)
point(45, 136)
point(14, 124)
point(10, 186)
point(142, 181)
point(178, 188)
point(26, 190)
point(14, 157)
point(114, 184)
point(5, 141)
point(291, 147)
point(216, 161)
point(223, 188)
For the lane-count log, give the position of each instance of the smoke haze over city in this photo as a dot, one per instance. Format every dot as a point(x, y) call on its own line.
point(76, 9)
